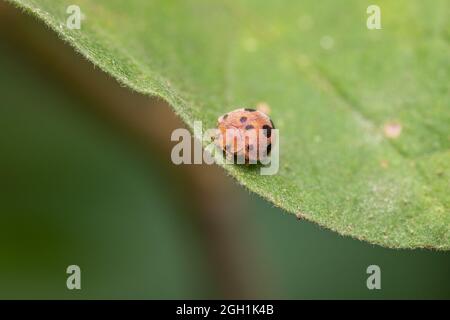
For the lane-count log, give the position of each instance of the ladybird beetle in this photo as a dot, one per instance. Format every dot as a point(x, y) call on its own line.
point(246, 134)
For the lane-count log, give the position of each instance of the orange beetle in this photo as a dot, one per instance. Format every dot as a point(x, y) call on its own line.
point(246, 134)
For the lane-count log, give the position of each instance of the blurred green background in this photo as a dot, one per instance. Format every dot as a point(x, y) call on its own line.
point(76, 188)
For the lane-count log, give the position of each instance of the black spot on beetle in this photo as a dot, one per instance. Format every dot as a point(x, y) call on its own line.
point(267, 130)
point(249, 127)
point(243, 119)
point(249, 110)
point(239, 158)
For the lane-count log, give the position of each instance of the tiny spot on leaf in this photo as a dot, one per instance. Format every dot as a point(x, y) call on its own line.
point(263, 107)
point(300, 216)
point(392, 130)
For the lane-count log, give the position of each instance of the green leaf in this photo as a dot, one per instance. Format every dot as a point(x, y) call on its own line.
point(339, 93)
